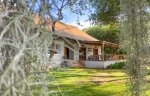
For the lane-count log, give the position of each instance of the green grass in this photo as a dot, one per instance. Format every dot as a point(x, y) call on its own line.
point(88, 82)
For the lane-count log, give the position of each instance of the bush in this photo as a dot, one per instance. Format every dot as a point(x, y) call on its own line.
point(119, 65)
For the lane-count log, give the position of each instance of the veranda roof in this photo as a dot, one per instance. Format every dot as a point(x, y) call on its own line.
point(105, 43)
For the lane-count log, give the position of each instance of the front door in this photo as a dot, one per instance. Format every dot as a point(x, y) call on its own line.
point(82, 52)
point(66, 52)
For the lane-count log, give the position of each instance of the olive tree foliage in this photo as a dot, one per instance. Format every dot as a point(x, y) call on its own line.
point(24, 45)
point(135, 39)
point(23, 52)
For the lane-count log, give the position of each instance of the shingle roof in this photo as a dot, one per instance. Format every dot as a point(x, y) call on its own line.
point(72, 32)
point(68, 31)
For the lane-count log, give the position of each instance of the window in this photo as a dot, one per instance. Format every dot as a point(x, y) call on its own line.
point(95, 51)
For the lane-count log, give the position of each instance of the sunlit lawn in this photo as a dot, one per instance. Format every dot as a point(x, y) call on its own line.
point(88, 82)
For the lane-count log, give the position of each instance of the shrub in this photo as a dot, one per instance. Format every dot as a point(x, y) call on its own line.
point(119, 65)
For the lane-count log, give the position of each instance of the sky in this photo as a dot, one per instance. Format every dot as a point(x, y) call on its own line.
point(72, 19)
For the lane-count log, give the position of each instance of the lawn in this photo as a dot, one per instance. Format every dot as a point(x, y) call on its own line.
point(88, 82)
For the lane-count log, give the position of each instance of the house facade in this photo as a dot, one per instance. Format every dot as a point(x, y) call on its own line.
point(71, 44)
point(74, 45)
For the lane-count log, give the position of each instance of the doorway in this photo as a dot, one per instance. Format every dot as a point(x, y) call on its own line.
point(66, 53)
point(82, 53)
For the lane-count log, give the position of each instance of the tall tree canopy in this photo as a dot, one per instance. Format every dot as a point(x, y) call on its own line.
point(105, 17)
point(106, 11)
point(107, 33)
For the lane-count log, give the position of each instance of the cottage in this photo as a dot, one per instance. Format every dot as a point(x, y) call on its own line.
point(74, 45)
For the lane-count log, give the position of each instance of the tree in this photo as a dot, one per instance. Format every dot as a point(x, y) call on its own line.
point(24, 45)
point(23, 60)
point(54, 11)
point(135, 39)
point(106, 11)
point(108, 33)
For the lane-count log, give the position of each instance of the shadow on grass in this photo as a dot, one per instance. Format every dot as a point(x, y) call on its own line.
point(105, 81)
point(87, 90)
point(77, 75)
point(89, 87)
point(89, 71)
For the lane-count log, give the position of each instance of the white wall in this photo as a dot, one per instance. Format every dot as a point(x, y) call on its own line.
point(99, 64)
point(61, 43)
point(76, 51)
point(73, 54)
point(93, 64)
point(58, 58)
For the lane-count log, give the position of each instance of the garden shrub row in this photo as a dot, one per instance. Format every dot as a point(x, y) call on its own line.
point(119, 65)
